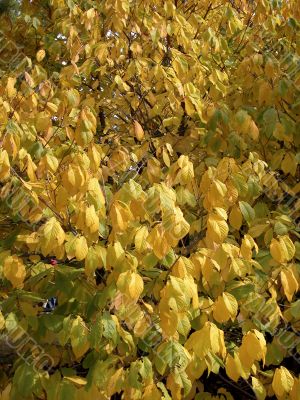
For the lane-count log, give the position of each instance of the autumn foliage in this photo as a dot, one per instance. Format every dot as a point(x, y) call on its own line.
point(149, 187)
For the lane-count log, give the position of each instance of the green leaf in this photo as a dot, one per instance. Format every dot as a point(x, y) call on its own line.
point(67, 391)
point(53, 322)
point(169, 259)
point(25, 379)
point(52, 385)
point(280, 229)
point(109, 328)
point(242, 291)
point(96, 333)
point(295, 309)
point(247, 211)
point(170, 354)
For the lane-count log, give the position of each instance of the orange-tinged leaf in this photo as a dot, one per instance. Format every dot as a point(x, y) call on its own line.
point(253, 130)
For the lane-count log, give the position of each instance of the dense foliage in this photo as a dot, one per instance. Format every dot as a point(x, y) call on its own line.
point(149, 170)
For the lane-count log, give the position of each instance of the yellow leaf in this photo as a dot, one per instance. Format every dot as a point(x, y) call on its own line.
point(168, 322)
point(95, 194)
point(218, 189)
point(166, 157)
point(289, 164)
point(207, 339)
point(130, 283)
point(51, 236)
point(4, 165)
point(295, 393)
point(40, 55)
point(153, 170)
point(51, 107)
point(51, 162)
point(185, 174)
point(220, 212)
point(276, 251)
point(115, 254)
point(114, 382)
point(78, 380)
point(121, 84)
point(91, 218)
point(158, 242)
point(96, 258)
point(81, 248)
point(140, 239)
point(282, 250)
point(151, 393)
point(225, 308)
point(10, 87)
point(175, 226)
point(247, 246)
point(253, 348)
point(14, 270)
point(142, 326)
point(2, 321)
point(217, 228)
point(199, 341)
point(95, 158)
point(120, 215)
point(138, 131)
point(86, 127)
point(289, 283)
point(282, 382)
point(79, 337)
point(74, 178)
point(11, 144)
point(136, 285)
point(233, 367)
